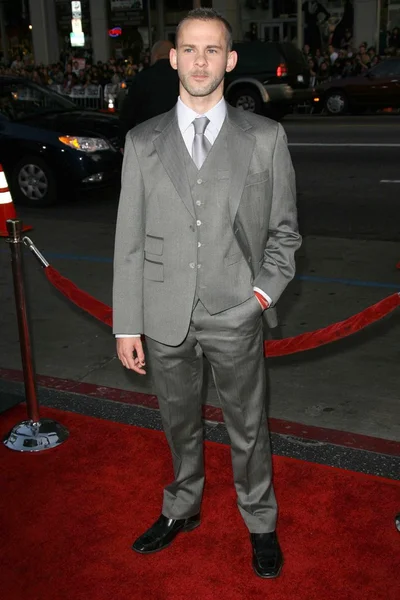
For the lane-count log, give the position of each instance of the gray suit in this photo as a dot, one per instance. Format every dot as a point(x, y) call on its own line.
point(190, 246)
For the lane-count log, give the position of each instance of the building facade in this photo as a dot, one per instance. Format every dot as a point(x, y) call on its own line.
point(113, 27)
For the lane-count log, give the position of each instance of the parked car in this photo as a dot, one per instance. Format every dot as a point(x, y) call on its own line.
point(379, 88)
point(49, 147)
point(270, 78)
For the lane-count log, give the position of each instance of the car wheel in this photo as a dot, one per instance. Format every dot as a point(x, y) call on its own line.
point(336, 103)
point(33, 182)
point(246, 99)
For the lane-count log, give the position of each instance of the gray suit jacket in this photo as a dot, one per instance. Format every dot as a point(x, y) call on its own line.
point(153, 287)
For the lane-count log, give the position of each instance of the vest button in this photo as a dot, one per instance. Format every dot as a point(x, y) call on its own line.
point(192, 265)
point(198, 202)
point(198, 223)
point(199, 181)
point(199, 266)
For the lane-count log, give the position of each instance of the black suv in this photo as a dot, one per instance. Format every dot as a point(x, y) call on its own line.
point(270, 78)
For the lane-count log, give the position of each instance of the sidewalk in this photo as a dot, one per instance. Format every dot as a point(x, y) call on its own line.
point(350, 386)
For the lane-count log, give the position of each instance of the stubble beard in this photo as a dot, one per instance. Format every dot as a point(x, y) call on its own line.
point(200, 91)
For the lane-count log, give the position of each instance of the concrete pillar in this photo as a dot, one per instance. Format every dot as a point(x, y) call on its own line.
point(230, 10)
point(365, 22)
point(4, 38)
point(160, 19)
point(300, 25)
point(100, 27)
point(44, 31)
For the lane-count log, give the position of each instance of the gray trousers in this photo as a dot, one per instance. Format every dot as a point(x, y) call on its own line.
point(233, 344)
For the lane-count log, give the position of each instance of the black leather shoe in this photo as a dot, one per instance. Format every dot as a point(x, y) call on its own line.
point(267, 555)
point(163, 532)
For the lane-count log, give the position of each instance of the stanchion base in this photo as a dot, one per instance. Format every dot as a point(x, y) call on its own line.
point(30, 436)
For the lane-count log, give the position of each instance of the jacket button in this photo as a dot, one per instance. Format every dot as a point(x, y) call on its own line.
point(192, 265)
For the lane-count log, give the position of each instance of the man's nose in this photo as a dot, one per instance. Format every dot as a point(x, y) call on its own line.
point(201, 59)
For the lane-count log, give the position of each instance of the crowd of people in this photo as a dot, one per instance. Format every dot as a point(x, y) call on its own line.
point(76, 71)
point(347, 60)
point(334, 62)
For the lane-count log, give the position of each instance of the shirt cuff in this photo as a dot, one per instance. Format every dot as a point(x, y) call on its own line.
point(262, 297)
point(127, 335)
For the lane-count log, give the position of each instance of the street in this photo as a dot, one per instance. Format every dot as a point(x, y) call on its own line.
point(348, 175)
point(340, 163)
point(350, 220)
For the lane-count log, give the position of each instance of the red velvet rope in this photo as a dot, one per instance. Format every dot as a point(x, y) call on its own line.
point(82, 299)
point(298, 343)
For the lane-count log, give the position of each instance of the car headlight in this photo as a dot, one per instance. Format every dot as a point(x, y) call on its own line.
point(85, 144)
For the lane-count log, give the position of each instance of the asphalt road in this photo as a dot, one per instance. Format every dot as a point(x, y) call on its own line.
point(348, 175)
point(348, 179)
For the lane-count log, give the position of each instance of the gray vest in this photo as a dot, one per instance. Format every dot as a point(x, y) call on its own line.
point(223, 275)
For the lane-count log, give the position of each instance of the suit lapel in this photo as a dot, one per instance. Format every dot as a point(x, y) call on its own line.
point(241, 146)
point(170, 149)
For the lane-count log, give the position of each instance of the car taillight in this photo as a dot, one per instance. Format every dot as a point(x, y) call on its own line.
point(281, 71)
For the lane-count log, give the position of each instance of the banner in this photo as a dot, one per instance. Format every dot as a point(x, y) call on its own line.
point(125, 13)
point(126, 4)
point(64, 15)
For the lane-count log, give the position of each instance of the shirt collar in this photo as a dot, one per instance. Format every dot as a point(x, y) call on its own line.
point(185, 115)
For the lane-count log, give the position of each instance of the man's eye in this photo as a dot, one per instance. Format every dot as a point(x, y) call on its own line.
point(212, 50)
point(188, 50)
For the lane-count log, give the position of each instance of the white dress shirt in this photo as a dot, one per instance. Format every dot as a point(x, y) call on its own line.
point(186, 116)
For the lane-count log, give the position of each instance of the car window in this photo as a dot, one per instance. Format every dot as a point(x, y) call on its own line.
point(387, 68)
point(21, 100)
point(256, 57)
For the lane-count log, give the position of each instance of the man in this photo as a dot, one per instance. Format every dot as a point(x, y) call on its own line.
point(153, 91)
point(205, 242)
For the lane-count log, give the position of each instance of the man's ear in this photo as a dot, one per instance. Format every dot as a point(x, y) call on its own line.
point(232, 61)
point(173, 59)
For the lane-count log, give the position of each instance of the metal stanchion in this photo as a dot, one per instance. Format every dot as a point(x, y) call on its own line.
point(35, 434)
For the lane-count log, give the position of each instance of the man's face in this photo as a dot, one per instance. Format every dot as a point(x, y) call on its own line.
point(202, 57)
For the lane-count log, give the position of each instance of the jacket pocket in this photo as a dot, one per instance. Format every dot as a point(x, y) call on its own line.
point(254, 178)
point(231, 259)
point(153, 270)
point(154, 245)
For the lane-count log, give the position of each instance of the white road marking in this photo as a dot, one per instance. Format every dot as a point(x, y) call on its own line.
point(344, 145)
point(389, 181)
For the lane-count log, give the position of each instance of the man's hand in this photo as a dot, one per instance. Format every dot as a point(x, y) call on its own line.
point(130, 353)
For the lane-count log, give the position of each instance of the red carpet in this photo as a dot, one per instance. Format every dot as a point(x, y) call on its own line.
point(69, 516)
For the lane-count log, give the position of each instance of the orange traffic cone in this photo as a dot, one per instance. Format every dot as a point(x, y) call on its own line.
point(7, 210)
